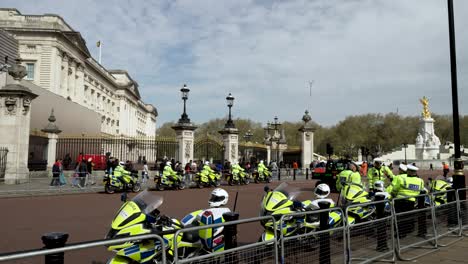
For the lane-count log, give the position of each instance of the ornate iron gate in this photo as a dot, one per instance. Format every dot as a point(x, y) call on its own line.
point(209, 148)
point(137, 149)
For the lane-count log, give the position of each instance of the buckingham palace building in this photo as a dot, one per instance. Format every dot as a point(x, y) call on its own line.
point(86, 97)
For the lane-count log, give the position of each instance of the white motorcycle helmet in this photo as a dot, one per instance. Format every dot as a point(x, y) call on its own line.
point(122, 163)
point(168, 163)
point(261, 162)
point(322, 191)
point(379, 186)
point(218, 197)
point(449, 180)
point(207, 163)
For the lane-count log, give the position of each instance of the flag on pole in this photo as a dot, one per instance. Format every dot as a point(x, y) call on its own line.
point(98, 44)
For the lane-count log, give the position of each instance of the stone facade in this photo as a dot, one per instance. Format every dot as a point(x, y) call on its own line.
point(57, 59)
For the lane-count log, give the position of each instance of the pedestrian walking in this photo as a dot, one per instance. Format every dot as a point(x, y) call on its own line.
point(62, 179)
point(145, 172)
point(445, 168)
point(82, 172)
point(431, 167)
point(55, 173)
point(89, 170)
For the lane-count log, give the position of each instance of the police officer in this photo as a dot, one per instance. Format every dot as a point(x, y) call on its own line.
point(402, 169)
point(408, 188)
point(349, 175)
point(379, 172)
point(120, 172)
point(440, 185)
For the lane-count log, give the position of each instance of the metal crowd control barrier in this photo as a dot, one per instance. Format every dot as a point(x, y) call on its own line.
point(463, 210)
point(257, 252)
point(305, 248)
point(368, 241)
point(415, 228)
point(82, 245)
point(447, 217)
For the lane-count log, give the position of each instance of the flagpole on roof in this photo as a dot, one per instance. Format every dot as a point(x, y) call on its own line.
point(99, 44)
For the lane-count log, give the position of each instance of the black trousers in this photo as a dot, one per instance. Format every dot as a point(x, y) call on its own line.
point(405, 223)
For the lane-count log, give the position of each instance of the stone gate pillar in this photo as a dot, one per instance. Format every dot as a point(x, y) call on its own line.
point(15, 117)
point(185, 138)
point(52, 133)
point(231, 144)
point(307, 141)
point(268, 154)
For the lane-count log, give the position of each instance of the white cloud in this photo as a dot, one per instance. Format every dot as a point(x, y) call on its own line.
point(365, 56)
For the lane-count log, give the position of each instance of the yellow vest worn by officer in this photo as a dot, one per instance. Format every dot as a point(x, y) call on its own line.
point(120, 171)
point(409, 187)
point(379, 174)
point(402, 170)
point(347, 176)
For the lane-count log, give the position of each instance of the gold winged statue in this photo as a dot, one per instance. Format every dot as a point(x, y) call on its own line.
point(425, 102)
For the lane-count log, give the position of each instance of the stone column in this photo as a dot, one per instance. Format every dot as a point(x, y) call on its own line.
point(231, 144)
point(268, 154)
point(15, 117)
point(71, 78)
point(64, 79)
point(307, 141)
point(359, 155)
point(185, 139)
point(79, 88)
point(52, 133)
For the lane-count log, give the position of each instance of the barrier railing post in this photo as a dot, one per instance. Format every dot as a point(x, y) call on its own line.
point(230, 234)
point(279, 174)
point(307, 173)
point(324, 254)
point(422, 228)
point(54, 240)
point(382, 233)
point(294, 174)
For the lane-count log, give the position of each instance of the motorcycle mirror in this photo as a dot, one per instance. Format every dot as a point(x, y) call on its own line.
point(266, 188)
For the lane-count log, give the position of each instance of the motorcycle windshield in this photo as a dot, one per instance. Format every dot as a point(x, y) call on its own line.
point(288, 190)
point(148, 201)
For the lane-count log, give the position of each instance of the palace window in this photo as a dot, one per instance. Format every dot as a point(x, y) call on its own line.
point(30, 71)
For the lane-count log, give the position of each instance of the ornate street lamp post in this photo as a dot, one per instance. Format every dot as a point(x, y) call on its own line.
point(230, 103)
point(184, 91)
point(247, 136)
point(274, 127)
point(405, 145)
point(458, 175)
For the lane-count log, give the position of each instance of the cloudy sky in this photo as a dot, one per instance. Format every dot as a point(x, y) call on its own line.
point(362, 56)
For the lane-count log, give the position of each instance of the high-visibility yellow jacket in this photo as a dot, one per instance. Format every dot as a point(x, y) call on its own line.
point(382, 174)
point(409, 186)
point(347, 176)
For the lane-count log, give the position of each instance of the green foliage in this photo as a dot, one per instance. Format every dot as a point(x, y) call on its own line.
point(377, 132)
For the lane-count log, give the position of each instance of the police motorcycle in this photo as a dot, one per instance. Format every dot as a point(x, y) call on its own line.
point(262, 176)
point(211, 239)
point(237, 176)
point(175, 182)
point(141, 216)
point(278, 202)
point(312, 221)
point(112, 183)
point(207, 179)
point(352, 194)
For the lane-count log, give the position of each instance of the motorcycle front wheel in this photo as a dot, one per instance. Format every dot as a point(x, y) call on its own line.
point(182, 185)
point(159, 187)
point(268, 179)
point(136, 187)
point(109, 189)
point(217, 183)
